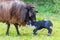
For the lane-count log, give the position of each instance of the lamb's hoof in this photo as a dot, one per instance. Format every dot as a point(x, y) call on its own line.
point(49, 34)
point(34, 34)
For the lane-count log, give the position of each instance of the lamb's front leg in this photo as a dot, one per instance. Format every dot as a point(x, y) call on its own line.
point(35, 30)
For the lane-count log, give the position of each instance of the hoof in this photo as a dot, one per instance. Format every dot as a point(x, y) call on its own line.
point(34, 34)
point(7, 34)
point(49, 34)
point(18, 34)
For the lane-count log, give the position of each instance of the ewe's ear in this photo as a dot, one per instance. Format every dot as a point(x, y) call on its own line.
point(36, 11)
point(29, 6)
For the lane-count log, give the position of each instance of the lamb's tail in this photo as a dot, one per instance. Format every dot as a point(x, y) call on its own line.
point(51, 24)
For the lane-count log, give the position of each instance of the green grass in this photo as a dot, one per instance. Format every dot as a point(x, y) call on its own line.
point(26, 32)
point(45, 12)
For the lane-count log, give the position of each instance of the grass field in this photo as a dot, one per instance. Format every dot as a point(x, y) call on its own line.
point(26, 32)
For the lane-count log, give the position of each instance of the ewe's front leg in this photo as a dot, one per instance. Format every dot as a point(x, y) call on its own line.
point(8, 26)
point(16, 26)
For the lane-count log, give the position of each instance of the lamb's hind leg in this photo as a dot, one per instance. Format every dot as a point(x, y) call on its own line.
point(16, 26)
point(49, 31)
point(7, 32)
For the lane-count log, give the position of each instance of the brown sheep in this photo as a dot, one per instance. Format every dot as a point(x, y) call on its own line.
point(15, 12)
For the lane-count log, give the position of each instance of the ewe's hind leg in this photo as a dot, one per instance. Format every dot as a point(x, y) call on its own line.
point(7, 32)
point(49, 31)
point(16, 26)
